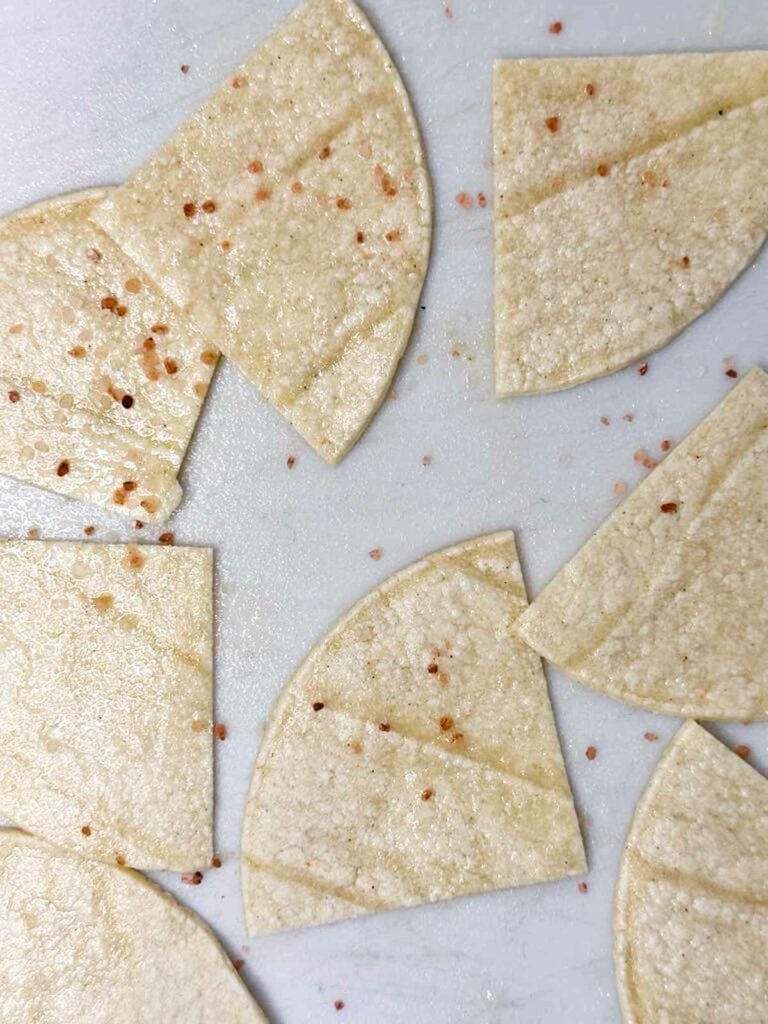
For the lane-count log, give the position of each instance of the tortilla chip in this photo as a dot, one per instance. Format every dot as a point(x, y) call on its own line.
point(291, 217)
point(86, 942)
point(691, 925)
point(630, 192)
point(92, 398)
point(413, 757)
point(665, 607)
point(105, 721)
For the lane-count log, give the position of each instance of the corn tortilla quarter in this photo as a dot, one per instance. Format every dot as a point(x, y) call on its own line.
point(630, 192)
point(666, 607)
point(691, 916)
point(83, 941)
point(291, 216)
point(413, 757)
point(105, 721)
point(101, 378)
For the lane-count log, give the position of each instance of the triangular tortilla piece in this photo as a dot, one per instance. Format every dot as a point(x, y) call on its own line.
point(630, 192)
point(308, 215)
point(82, 941)
point(665, 607)
point(413, 757)
point(97, 403)
point(105, 718)
point(691, 919)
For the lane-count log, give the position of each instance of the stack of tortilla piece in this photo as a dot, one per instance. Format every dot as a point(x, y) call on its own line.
point(106, 753)
point(290, 218)
point(102, 378)
point(413, 757)
point(630, 192)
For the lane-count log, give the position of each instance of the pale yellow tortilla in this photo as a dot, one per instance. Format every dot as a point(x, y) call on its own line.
point(105, 718)
point(82, 941)
point(668, 610)
point(433, 767)
point(316, 319)
point(68, 367)
point(625, 223)
point(691, 921)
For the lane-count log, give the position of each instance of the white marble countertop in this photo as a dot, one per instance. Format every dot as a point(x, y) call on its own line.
point(87, 89)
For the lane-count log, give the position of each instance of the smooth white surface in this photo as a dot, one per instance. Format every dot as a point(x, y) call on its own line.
point(87, 89)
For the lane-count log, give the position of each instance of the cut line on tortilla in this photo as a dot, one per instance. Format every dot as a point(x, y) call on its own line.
point(666, 606)
point(413, 757)
point(83, 941)
point(291, 217)
point(630, 192)
point(691, 915)
point(102, 380)
point(105, 720)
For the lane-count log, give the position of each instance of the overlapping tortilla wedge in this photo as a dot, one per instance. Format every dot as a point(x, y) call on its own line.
point(101, 378)
point(630, 192)
point(105, 717)
point(691, 924)
point(666, 607)
point(413, 757)
point(291, 217)
point(83, 941)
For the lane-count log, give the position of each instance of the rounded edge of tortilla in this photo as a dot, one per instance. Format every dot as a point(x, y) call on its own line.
point(426, 195)
point(621, 943)
point(642, 353)
point(275, 716)
point(151, 889)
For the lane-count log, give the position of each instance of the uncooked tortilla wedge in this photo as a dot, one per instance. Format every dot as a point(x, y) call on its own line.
point(691, 924)
point(82, 941)
point(105, 717)
point(666, 607)
point(413, 757)
point(630, 192)
point(291, 217)
point(101, 378)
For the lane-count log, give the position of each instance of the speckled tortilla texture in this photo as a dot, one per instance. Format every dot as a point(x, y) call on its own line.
point(105, 721)
point(66, 363)
point(81, 941)
point(309, 269)
point(620, 227)
point(433, 767)
point(669, 610)
point(691, 925)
